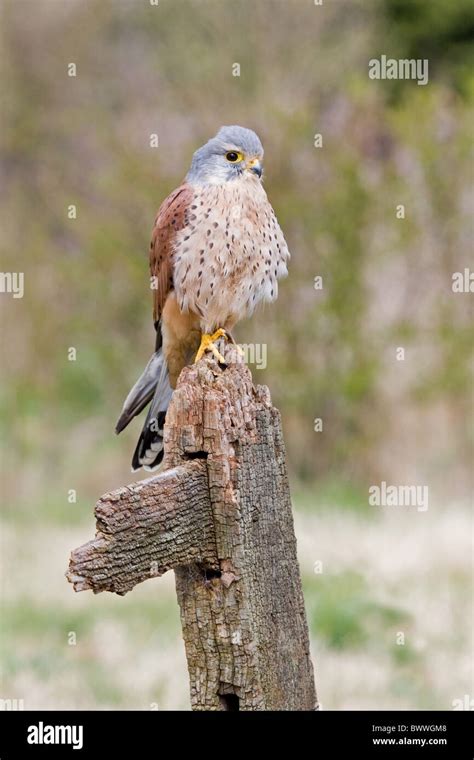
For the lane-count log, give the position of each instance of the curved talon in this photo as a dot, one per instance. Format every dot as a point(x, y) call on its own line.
point(207, 344)
point(231, 339)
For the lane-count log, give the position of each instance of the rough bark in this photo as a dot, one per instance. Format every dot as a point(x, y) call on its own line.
point(220, 515)
point(145, 529)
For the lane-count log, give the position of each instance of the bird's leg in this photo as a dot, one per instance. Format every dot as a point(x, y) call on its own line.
point(207, 344)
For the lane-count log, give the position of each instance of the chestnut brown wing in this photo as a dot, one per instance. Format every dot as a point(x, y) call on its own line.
point(171, 218)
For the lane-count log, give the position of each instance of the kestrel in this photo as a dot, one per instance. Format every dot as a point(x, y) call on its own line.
point(216, 251)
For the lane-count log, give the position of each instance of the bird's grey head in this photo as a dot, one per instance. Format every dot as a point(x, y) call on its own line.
point(235, 152)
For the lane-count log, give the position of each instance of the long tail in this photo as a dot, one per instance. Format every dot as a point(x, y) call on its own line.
point(153, 385)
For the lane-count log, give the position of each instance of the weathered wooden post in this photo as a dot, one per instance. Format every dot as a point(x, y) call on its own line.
point(220, 516)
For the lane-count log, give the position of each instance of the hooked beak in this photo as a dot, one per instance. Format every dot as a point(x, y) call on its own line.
point(255, 166)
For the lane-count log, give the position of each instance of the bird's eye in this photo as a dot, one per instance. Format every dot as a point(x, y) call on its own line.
point(233, 156)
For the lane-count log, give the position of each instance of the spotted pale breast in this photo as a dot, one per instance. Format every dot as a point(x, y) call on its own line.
point(216, 252)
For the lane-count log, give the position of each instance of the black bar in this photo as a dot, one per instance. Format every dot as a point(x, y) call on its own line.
point(423, 734)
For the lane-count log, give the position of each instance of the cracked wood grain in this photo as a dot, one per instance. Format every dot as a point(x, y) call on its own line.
point(223, 521)
point(145, 529)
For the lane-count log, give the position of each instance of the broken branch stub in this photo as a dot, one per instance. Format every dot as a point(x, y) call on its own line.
point(145, 529)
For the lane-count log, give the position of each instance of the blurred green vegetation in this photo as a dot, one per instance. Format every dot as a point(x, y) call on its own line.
point(331, 352)
point(343, 613)
point(35, 641)
point(439, 31)
point(387, 282)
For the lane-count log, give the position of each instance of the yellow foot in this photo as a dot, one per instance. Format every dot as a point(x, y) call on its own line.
point(207, 344)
